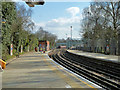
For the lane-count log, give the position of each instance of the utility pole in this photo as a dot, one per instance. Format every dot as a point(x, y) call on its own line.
point(71, 37)
point(66, 36)
point(45, 36)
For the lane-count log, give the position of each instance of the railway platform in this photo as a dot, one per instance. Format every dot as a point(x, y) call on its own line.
point(37, 70)
point(112, 58)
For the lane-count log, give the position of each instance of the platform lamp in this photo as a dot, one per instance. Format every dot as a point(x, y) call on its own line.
point(71, 37)
point(32, 3)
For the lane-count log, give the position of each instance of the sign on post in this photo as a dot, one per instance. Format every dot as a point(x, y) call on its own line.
point(11, 49)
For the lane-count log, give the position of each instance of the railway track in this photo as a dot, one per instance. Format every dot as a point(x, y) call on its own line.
point(97, 71)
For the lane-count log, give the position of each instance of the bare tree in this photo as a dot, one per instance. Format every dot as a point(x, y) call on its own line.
point(100, 23)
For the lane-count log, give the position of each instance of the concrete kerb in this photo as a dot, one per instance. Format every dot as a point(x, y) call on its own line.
point(94, 58)
point(69, 71)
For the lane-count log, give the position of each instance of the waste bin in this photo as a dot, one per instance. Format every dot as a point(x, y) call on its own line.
point(3, 64)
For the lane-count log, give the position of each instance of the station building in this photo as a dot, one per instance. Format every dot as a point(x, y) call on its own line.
point(70, 43)
point(43, 45)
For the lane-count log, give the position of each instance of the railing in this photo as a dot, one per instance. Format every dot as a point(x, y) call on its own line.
point(103, 50)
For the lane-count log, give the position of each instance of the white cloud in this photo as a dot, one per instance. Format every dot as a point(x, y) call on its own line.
point(63, 21)
point(73, 11)
point(61, 26)
point(40, 24)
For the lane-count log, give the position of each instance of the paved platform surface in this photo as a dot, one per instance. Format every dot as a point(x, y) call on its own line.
point(35, 70)
point(97, 55)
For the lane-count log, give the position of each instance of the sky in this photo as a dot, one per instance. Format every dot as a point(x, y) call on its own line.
point(57, 17)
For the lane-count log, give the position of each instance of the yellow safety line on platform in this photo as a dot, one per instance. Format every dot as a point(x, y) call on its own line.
point(75, 76)
point(71, 82)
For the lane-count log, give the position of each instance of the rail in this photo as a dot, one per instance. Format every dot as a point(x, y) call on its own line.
point(105, 74)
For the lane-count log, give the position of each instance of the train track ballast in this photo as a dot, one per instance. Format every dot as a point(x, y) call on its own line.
point(104, 73)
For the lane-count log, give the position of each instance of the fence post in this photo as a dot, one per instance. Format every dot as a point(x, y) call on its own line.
point(105, 50)
point(101, 50)
point(115, 51)
point(95, 50)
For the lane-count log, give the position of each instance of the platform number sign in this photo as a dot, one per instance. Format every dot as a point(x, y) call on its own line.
point(11, 51)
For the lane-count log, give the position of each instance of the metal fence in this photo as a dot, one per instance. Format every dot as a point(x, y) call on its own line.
point(103, 50)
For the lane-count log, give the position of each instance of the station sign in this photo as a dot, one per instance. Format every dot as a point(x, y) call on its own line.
point(11, 49)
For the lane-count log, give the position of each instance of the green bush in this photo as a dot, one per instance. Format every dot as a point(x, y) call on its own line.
point(14, 51)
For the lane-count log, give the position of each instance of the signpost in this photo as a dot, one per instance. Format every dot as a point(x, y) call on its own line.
point(11, 49)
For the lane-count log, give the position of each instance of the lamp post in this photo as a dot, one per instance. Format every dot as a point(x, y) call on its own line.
point(17, 33)
point(71, 36)
point(71, 32)
point(66, 36)
point(119, 41)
